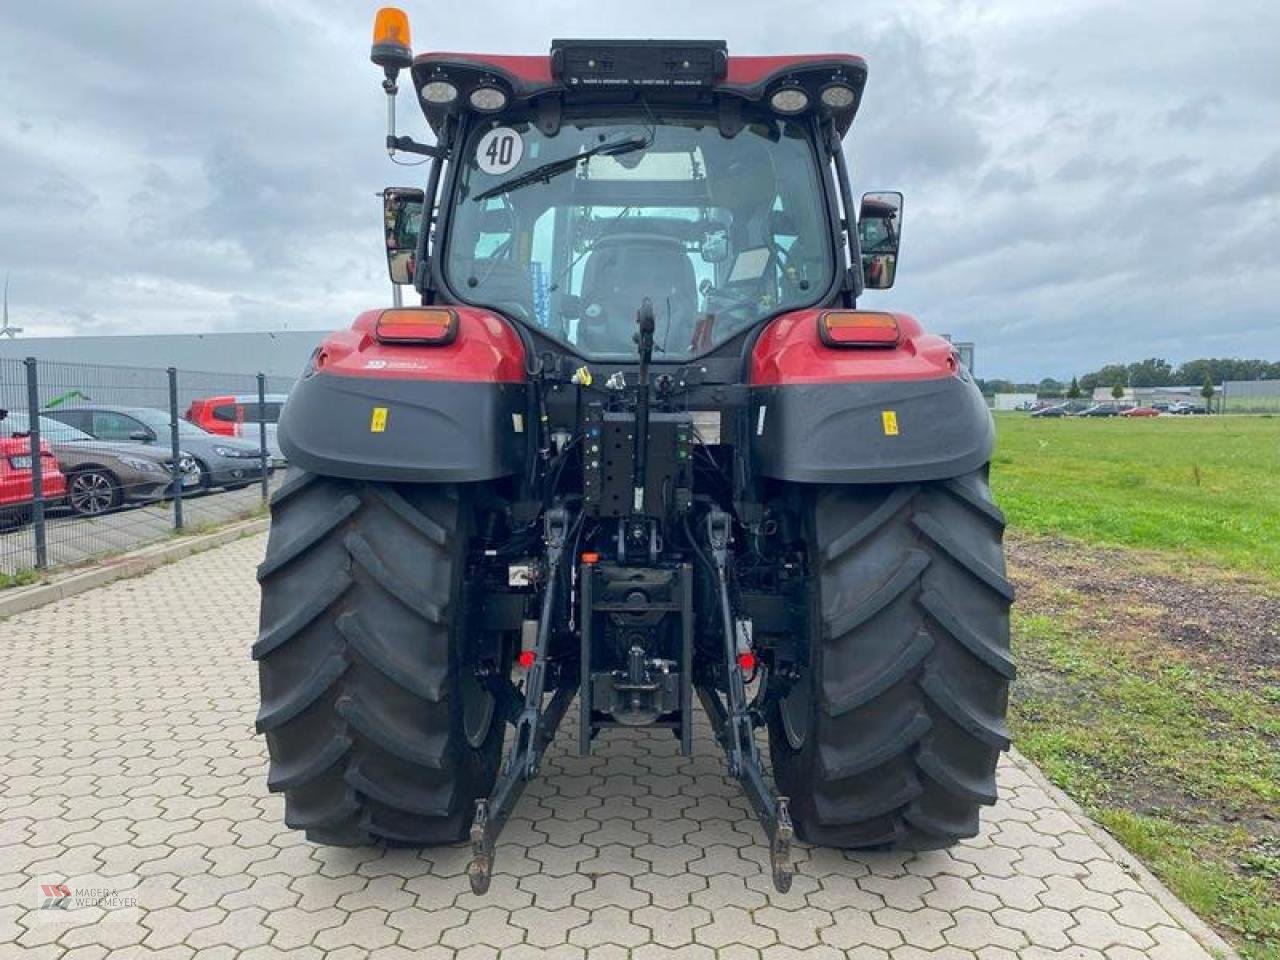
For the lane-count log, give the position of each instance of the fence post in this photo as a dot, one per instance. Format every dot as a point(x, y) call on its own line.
point(37, 465)
point(262, 436)
point(176, 447)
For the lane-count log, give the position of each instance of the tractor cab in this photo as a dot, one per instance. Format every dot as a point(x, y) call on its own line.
point(571, 188)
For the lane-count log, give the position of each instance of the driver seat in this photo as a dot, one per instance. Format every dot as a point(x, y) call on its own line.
point(619, 273)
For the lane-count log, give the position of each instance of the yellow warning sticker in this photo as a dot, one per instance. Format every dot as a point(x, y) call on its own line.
point(378, 422)
point(890, 420)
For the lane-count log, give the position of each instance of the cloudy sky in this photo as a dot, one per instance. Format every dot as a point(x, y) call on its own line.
point(1086, 181)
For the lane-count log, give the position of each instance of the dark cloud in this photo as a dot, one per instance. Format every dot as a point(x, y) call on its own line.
point(1085, 183)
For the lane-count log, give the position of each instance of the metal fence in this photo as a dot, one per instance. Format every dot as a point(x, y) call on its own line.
point(1250, 396)
point(122, 456)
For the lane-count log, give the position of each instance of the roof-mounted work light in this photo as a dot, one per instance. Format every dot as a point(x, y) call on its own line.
point(439, 92)
point(789, 100)
point(838, 95)
point(488, 97)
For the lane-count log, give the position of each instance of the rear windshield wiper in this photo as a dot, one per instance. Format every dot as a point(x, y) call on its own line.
point(554, 168)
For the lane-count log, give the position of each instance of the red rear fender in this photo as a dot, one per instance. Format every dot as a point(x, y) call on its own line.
point(790, 351)
point(486, 350)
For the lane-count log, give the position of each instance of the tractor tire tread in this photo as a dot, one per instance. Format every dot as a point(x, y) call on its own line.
point(360, 663)
point(909, 668)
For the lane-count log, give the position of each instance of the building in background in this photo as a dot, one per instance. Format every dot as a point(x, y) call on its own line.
point(277, 354)
point(1012, 401)
point(1145, 396)
point(1104, 395)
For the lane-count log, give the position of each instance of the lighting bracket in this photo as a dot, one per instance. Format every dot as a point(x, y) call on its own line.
point(409, 145)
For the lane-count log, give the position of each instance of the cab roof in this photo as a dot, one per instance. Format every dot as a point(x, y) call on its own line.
point(659, 71)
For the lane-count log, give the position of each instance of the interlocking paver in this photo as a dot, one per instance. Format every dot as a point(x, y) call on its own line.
point(171, 925)
point(977, 930)
point(547, 928)
point(1043, 926)
point(608, 925)
point(921, 928)
point(422, 928)
point(613, 889)
point(735, 925)
point(1101, 931)
point(149, 769)
point(857, 928)
point(672, 928)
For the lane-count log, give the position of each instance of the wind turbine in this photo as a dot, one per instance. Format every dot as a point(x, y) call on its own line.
point(5, 329)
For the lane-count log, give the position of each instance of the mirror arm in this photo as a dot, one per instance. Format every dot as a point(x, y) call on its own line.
point(853, 282)
point(409, 145)
point(424, 277)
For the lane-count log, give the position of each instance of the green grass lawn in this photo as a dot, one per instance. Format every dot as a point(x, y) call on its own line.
point(1177, 759)
point(1206, 487)
point(1148, 684)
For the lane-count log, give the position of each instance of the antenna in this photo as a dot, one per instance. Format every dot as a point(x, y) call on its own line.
point(5, 329)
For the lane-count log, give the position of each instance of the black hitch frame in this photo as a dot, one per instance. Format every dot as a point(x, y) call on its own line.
point(733, 718)
point(734, 722)
point(535, 727)
point(682, 607)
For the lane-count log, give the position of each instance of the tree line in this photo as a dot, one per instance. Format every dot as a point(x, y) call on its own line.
point(1145, 373)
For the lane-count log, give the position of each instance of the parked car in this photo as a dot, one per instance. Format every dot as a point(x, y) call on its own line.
point(238, 415)
point(101, 476)
point(220, 461)
point(1140, 412)
point(17, 488)
point(1064, 408)
point(1101, 410)
point(1185, 408)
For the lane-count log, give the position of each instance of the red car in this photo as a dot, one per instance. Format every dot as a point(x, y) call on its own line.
point(16, 496)
point(238, 415)
point(1141, 412)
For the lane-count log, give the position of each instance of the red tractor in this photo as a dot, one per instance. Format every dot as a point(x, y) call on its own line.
point(636, 444)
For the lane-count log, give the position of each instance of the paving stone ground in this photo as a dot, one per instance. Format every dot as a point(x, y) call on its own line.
point(128, 765)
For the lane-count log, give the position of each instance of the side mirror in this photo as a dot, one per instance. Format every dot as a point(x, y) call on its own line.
point(401, 221)
point(879, 231)
point(142, 436)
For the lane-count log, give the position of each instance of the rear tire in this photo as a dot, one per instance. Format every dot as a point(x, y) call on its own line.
point(364, 663)
point(892, 735)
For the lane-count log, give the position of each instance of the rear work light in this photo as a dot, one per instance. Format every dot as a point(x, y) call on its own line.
point(858, 328)
point(433, 326)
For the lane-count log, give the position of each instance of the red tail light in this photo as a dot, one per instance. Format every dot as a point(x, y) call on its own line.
point(432, 326)
point(858, 328)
